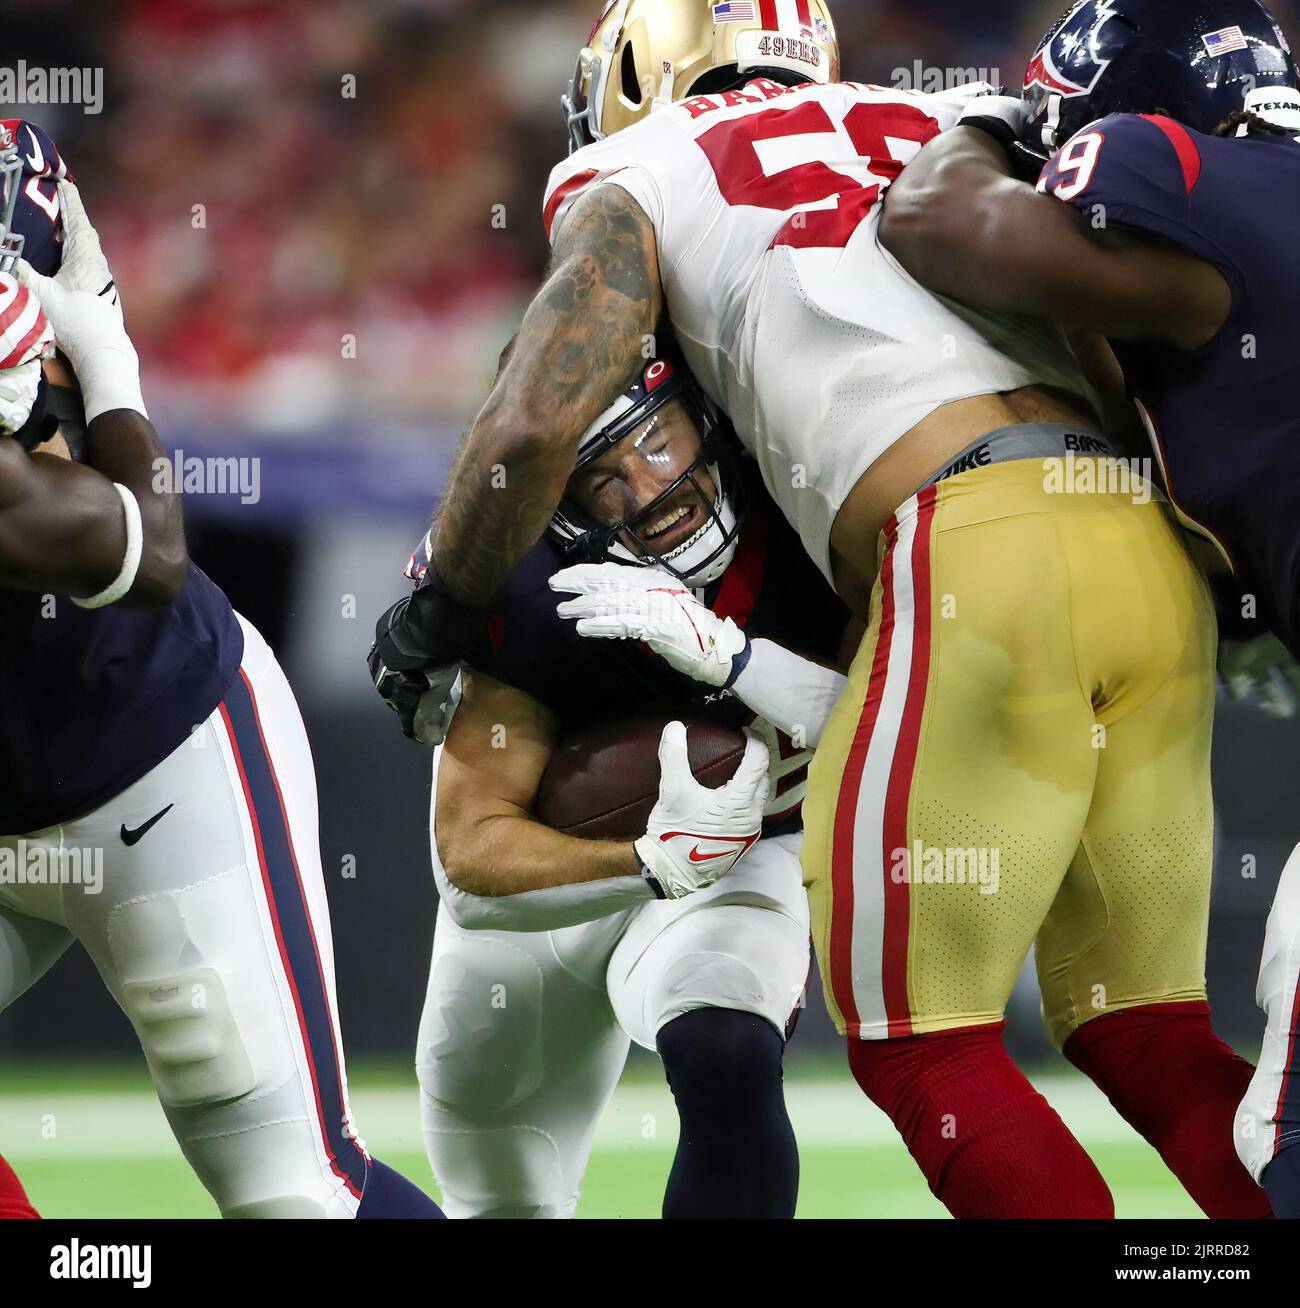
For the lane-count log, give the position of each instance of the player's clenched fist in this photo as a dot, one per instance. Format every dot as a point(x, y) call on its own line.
point(25, 339)
point(697, 835)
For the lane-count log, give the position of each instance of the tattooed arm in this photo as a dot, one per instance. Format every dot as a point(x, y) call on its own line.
point(581, 343)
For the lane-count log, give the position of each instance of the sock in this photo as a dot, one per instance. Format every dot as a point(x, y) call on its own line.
point(13, 1198)
point(987, 1142)
point(736, 1153)
point(1178, 1086)
point(388, 1194)
point(1282, 1183)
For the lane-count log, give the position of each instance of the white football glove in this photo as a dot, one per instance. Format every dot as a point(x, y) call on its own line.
point(82, 305)
point(26, 338)
point(1262, 672)
point(616, 602)
point(697, 835)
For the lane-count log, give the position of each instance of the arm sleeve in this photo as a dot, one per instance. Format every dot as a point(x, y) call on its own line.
point(541, 910)
point(793, 693)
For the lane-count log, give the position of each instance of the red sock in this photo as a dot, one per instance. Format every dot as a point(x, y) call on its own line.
point(1178, 1086)
point(988, 1143)
point(13, 1198)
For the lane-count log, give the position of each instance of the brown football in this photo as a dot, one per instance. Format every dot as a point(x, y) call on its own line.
point(603, 780)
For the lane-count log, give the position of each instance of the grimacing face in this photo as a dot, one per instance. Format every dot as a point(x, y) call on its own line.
point(625, 480)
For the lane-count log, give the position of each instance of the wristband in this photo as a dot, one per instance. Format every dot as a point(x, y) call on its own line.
point(651, 880)
point(739, 662)
point(109, 378)
point(1000, 116)
point(118, 588)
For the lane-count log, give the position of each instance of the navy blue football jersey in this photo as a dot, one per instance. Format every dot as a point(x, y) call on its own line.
point(92, 700)
point(771, 590)
point(1225, 419)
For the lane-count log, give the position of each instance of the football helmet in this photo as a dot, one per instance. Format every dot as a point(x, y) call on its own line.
point(11, 178)
point(662, 434)
point(643, 53)
point(1198, 63)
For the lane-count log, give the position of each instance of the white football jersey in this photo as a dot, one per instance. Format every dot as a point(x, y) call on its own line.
point(823, 352)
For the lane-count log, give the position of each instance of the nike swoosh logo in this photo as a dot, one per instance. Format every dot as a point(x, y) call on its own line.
point(134, 837)
point(697, 856)
point(36, 161)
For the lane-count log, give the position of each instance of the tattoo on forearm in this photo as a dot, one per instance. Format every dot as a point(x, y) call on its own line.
point(581, 342)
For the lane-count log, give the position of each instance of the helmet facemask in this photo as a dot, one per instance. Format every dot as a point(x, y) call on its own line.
point(11, 178)
point(656, 486)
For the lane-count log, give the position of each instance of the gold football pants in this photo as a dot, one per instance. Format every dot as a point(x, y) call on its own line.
point(1022, 756)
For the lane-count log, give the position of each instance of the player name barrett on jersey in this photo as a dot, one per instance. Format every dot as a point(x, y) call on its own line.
point(771, 590)
point(765, 203)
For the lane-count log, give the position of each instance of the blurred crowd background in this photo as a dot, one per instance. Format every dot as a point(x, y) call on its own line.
point(324, 216)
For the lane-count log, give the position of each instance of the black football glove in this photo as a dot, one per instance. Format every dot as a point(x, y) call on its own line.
point(1001, 116)
point(419, 646)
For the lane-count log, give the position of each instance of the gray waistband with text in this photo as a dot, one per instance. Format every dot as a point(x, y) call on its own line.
point(1028, 440)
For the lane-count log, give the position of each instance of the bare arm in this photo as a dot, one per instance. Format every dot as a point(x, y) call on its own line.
point(499, 745)
point(581, 342)
point(963, 226)
point(62, 526)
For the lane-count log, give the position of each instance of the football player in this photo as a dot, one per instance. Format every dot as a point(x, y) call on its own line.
point(552, 951)
point(1163, 221)
point(155, 776)
point(724, 179)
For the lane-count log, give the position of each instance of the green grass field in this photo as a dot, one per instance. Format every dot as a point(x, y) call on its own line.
point(89, 1140)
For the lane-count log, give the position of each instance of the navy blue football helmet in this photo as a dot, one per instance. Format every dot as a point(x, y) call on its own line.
point(1194, 61)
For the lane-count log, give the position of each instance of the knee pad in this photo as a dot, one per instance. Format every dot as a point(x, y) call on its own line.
point(511, 1170)
point(746, 959)
point(480, 1042)
point(183, 1016)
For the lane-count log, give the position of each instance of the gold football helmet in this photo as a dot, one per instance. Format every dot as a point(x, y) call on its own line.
point(647, 52)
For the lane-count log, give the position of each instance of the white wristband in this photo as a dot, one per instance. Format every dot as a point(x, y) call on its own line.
point(117, 589)
point(109, 378)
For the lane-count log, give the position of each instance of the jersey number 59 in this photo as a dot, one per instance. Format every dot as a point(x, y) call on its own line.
point(732, 149)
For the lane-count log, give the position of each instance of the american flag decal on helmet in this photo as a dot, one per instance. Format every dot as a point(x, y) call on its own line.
point(1225, 41)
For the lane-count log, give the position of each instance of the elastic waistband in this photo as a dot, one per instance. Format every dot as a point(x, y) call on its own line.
point(1026, 440)
point(1032, 468)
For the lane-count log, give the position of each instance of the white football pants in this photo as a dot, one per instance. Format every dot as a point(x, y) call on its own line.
point(524, 1034)
point(211, 930)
